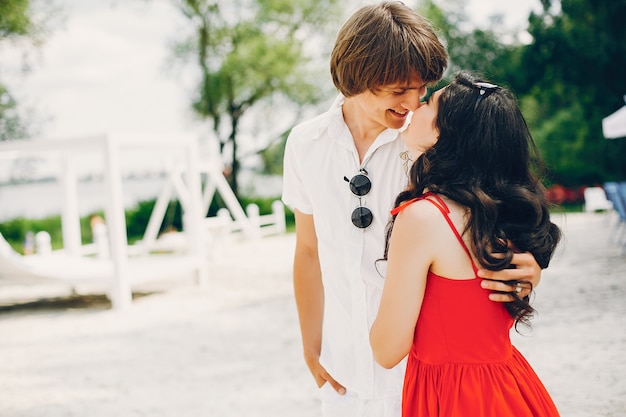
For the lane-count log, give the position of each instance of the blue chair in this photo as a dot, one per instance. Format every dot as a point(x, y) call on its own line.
point(622, 193)
point(616, 193)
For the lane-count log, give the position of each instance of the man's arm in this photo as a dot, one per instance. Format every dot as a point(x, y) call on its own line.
point(309, 295)
point(526, 269)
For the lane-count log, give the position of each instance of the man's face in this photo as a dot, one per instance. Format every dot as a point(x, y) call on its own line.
point(389, 105)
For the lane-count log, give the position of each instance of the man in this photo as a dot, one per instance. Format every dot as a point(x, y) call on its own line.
point(342, 172)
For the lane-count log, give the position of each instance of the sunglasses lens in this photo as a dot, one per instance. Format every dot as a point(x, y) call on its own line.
point(360, 185)
point(362, 217)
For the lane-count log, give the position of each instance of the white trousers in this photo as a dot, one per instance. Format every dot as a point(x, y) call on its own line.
point(350, 405)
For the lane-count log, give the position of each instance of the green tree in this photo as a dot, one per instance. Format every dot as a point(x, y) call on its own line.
point(252, 53)
point(472, 48)
point(568, 78)
point(14, 22)
point(18, 27)
point(12, 126)
point(574, 72)
point(14, 18)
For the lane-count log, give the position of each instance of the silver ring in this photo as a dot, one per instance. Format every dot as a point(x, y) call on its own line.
point(518, 288)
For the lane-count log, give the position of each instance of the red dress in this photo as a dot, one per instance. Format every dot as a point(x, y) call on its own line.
point(462, 363)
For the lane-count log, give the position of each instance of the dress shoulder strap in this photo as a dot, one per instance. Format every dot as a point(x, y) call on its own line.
point(443, 208)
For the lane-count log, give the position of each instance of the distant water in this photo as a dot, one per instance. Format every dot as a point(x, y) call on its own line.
point(43, 199)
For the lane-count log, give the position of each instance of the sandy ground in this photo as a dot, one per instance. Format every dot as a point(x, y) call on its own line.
point(233, 348)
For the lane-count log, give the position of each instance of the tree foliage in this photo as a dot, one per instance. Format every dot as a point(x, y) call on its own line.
point(569, 77)
point(574, 71)
point(12, 125)
point(251, 52)
point(471, 48)
point(14, 22)
point(17, 24)
point(14, 18)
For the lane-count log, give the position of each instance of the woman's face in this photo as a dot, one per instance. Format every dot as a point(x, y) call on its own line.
point(422, 133)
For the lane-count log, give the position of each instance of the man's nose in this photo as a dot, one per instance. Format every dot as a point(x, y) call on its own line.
point(412, 100)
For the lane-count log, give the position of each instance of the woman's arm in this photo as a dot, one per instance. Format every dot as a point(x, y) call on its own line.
point(409, 259)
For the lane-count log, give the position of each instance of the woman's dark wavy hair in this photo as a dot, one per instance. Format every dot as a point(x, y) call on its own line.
point(485, 159)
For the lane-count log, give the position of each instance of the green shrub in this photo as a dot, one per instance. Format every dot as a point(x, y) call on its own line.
point(137, 218)
point(14, 231)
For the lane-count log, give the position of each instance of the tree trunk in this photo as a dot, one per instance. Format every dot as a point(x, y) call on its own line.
point(235, 114)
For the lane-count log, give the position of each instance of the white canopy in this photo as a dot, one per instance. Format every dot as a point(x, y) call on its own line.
point(614, 125)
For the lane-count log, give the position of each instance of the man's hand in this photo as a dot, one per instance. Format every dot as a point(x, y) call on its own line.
point(322, 377)
point(509, 283)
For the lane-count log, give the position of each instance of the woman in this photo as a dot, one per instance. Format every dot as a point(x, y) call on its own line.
point(472, 194)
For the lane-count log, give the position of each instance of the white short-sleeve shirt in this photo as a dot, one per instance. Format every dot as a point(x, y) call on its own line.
point(318, 155)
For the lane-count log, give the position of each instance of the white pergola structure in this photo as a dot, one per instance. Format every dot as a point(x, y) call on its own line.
point(111, 147)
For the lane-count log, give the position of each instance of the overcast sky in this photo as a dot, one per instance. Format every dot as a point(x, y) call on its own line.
point(104, 68)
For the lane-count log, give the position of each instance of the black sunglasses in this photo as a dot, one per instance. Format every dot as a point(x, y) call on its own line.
point(484, 90)
point(360, 185)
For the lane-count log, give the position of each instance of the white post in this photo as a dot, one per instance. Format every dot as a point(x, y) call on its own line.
point(121, 292)
point(70, 218)
point(278, 210)
point(100, 236)
point(43, 243)
point(194, 214)
point(254, 217)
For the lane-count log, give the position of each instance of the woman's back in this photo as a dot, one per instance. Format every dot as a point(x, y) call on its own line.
point(462, 362)
point(459, 324)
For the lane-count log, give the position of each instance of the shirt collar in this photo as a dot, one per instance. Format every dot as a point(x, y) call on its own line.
point(333, 119)
point(334, 122)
